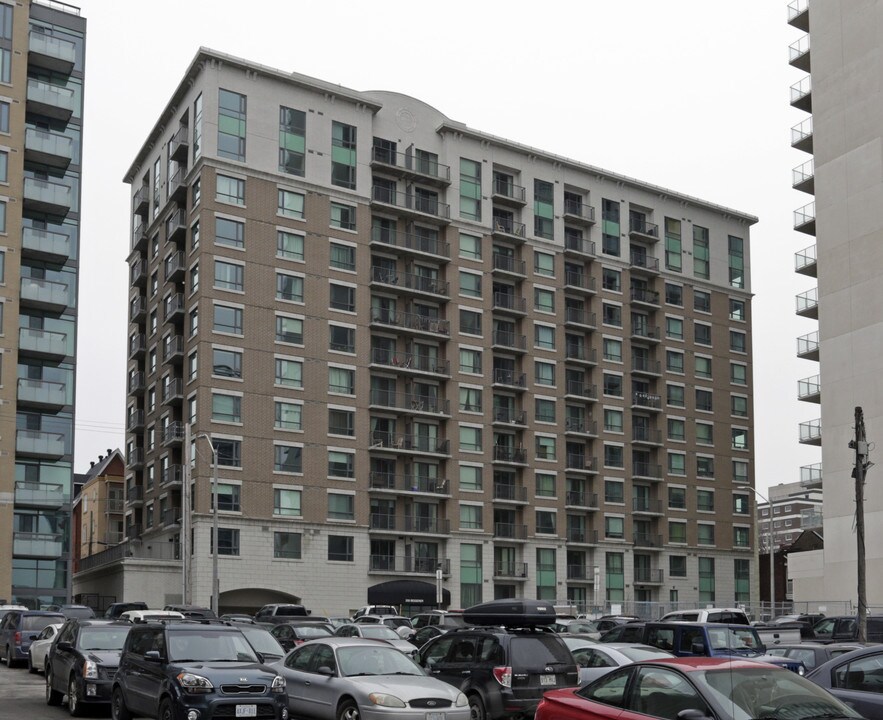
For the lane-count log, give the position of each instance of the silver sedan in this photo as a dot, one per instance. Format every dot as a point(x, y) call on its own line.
point(38, 649)
point(597, 659)
point(359, 679)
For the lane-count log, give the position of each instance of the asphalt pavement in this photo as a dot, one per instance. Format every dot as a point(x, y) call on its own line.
point(23, 695)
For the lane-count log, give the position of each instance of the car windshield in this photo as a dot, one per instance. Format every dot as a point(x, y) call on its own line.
point(743, 638)
point(375, 660)
point(291, 610)
point(81, 612)
point(102, 638)
point(261, 640)
point(379, 632)
point(35, 623)
point(395, 622)
point(535, 650)
point(312, 631)
point(206, 645)
point(769, 692)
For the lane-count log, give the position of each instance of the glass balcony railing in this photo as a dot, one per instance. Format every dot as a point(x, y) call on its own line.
point(38, 544)
point(802, 175)
point(38, 494)
point(808, 303)
point(811, 474)
point(51, 100)
point(808, 345)
point(53, 52)
point(809, 388)
point(797, 14)
point(47, 244)
point(43, 392)
point(805, 261)
point(52, 148)
point(45, 292)
point(811, 432)
point(43, 342)
point(36, 442)
point(798, 53)
point(801, 94)
point(48, 196)
point(805, 218)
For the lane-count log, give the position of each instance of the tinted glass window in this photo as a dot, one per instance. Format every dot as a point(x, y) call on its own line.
point(38, 622)
point(99, 638)
point(610, 690)
point(538, 650)
point(299, 659)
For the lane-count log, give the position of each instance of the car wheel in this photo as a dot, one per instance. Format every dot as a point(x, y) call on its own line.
point(348, 711)
point(53, 697)
point(118, 709)
point(73, 698)
point(10, 662)
point(166, 712)
point(476, 708)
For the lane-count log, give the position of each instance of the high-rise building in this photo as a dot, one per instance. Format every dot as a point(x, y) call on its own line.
point(844, 177)
point(42, 45)
point(417, 347)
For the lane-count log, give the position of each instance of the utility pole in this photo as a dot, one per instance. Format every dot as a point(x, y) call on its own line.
point(860, 445)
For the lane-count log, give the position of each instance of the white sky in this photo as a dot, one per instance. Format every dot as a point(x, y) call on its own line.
point(687, 94)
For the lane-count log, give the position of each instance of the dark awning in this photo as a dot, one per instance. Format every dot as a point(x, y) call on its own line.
point(406, 592)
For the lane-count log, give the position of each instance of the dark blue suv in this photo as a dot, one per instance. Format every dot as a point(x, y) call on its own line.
point(19, 628)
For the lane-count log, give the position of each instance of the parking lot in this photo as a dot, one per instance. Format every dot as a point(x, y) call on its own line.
point(23, 696)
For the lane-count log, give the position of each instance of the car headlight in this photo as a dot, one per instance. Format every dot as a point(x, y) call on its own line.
point(90, 670)
point(801, 670)
point(196, 684)
point(278, 685)
point(386, 700)
point(461, 701)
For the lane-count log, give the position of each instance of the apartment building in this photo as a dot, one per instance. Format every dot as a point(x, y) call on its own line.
point(842, 134)
point(41, 88)
point(412, 346)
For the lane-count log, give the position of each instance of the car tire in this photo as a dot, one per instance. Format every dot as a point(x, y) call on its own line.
point(118, 709)
point(166, 711)
point(348, 710)
point(53, 697)
point(476, 708)
point(74, 706)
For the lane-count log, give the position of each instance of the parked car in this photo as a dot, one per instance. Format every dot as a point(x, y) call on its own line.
point(595, 660)
point(696, 687)
point(608, 622)
point(856, 678)
point(290, 635)
point(441, 618)
point(813, 654)
point(82, 661)
point(391, 621)
point(375, 610)
point(262, 641)
point(349, 678)
point(19, 628)
point(377, 632)
point(426, 633)
point(185, 670)
point(811, 618)
point(504, 660)
point(844, 628)
point(39, 647)
point(629, 632)
point(134, 616)
point(730, 616)
point(238, 617)
point(337, 621)
point(279, 612)
point(193, 611)
point(584, 627)
point(73, 611)
point(114, 610)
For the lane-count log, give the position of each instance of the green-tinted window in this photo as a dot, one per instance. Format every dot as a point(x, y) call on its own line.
point(341, 507)
point(543, 209)
point(470, 574)
point(544, 263)
point(289, 245)
point(615, 577)
point(546, 576)
point(231, 125)
point(290, 204)
point(742, 575)
point(470, 189)
point(292, 140)
point(706, 580)
point(343, 216)
point(736, 260)
point(470, 477)
point(610, 227)
point(673, 257)
point(470, 246)
point(545, 485)
point(229, 189)
point(677, 532)
point(700, 252)
point(470, 517)
point(288, 416)
point(343, 155)
point(545, 410)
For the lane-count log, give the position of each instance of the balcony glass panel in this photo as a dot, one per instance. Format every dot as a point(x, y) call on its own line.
point(43, 392)
point(36, 442)
point(51, 95)
point(48, 194)
point(42, 341)
point(45, 242)
point(40, 494)
point(52, 47)
point(49, 143)
point(45, 291)
point(38, 544)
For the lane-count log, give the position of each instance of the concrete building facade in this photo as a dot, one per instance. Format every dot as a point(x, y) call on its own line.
point(42, 45)
point(415, 347)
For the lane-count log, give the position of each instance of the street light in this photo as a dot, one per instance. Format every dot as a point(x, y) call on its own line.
point(772, 553)
point(208, 439)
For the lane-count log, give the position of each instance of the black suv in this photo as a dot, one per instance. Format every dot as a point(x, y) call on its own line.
point(503, 671)
point(82, 661)
point(114, 610)
point(187, 670)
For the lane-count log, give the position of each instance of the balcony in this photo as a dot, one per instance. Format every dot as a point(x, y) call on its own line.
point(137, 383)
point(579, 247)
point(407, 564)
point(426, 525)
point(135, 496)
point(505, 340)
point(581, 536)
point(647, 471)
point(45, 294)
point(576, 390)
point(135, 459)
point(577, 462)
point(644, 230)
point(171, 517)
point(580, 574)
point(45, 245)
point(803, 177)
point(179, 144)
point(510, 531)
point(418, 245)
point(173, 307)
point(50, 100)
point(808, 346)
point(508, 193)
point(173, 349)
point(648, 401)
point(409, 362)
point(420, 284)
point(177, 188)
point(411, 321)
point(810, 389)
point(798, 54)
point(173, 435)
point(644, 296)
point(175, 266)
point(642, 331)
point(801, 136)
point(642, 435)
point(808, 304)
point(42, 394)
point(134, 532)
point(581, 427)
point(409, 443)
point(173, 391)
point(579, 282)
point(580, 354)
point(141, 200)
point(172, 476)
point(646, 366)
point(579, 317)
point(137, 345)
point(40, 495)
point(390, 482)
point(45, 545)
point(506, 264)
point(801, 94)
point(580, 499)
point(647, 506)
point(510, 570)
point(509, 304)
point(408, 402)
point(505, 493)
point(42, 196)
point(409, 165)
point(811, 475)
point(510, 379)
point(805, 261)
point(811, 432)
point(419, 207)
point(510, 455)
point(798, 14)
point(648, 576)
point(643, 263)
point(578, 212)
point(508, 229)
point(36, 443)
point(42, 343)
point(50, 52)
point(509, 416)
point(48, 148)
point(647, 540)
point(176, 226)
point(138, 272)
point(135, 420)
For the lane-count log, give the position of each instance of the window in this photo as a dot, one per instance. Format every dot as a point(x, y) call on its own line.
point(741, 505)
point(741, 537)
point(544, 373)
point(470, 477)
point(343, 257)
point(229, 276)
point(470, 438)
point(545, 447)
point(288, 416)
point(228, 541)
point(614, 492)
point(612, 420)
point(470, 517)
point(610, 227)
point(674, 361)
point(289, 287)
point(735, 261)
point(674, 295)
point(613, 456)
point(705, 500)
point(470, 246)
point(343, 216)
point(470, 284)
point(737, 341)
point(470, 189)
point(673, 256)
point(229, 232)
point(470, 361)
point(226, 408)
point(341, 381)
point(292, 140)
point(343, 297)
point(738, 374)
point(287, 545)
point(4, 116)
point(2, 266)
point(614, 528)
point(229, 452)
point(289, 330)
point(230, 190)
point(611, 279)
point(544, 300)
point(290, 204)
point(227, 320)
point(470, 322)
point(4, 166)
point(740, 472)
point(739, 438)
point(342, 339)
point(677, 532)
point(677, 463)
point(613, 385)
point(545, 485)
point(676, 429)
point(700, 252)
point(194, 278)
point(737, 310)
point(677, 498)
point(228, 497)
point(543, 209)
point(231, 125)
point(470, 399)
point(703, 366)
point(544, 337)
point(287, 458)
point(739, 405)
point(613, 350)
point(704, 433)
point(341, 507)
point(611, 314)
point(705, 534)
point(289, 373)
point(674, 395)
point(701, 301)
point(289, 246)
point(677, 564)
point(341, 464)
point(341, 422)
point(340, 548)
point(287, 502)
point(545, 521)
point(343, 155)
point(674, 328)
point(543, 264)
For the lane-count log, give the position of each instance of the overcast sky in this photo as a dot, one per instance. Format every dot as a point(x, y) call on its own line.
point(687, 94)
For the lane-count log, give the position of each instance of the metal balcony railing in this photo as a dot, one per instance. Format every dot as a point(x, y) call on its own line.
point(808, 345)
point(507, 263)
point(507, 189)
point(809, 388)
point(504, 569)
point(811, 431)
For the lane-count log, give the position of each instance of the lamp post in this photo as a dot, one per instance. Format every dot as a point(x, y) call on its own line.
point(208, 439)
point(772, 550)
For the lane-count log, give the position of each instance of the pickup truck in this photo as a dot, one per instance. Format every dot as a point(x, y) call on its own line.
point(783, 634)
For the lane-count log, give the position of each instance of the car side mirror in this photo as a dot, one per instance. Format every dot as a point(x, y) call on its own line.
point(697, 647)
point(153, 656)
point(325, 670)
point(33, 636)
point(692, 714)
point(65, 646)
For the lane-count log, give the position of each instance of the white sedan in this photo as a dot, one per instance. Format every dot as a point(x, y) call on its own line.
point(40, 646)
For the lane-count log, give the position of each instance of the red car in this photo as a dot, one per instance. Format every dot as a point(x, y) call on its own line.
point(721, 688)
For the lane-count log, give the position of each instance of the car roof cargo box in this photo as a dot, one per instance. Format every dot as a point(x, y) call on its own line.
point(511, 612)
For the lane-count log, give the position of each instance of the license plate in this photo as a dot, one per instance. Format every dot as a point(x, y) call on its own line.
point(435, 716)
point(547, 679)
point(246, 711)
